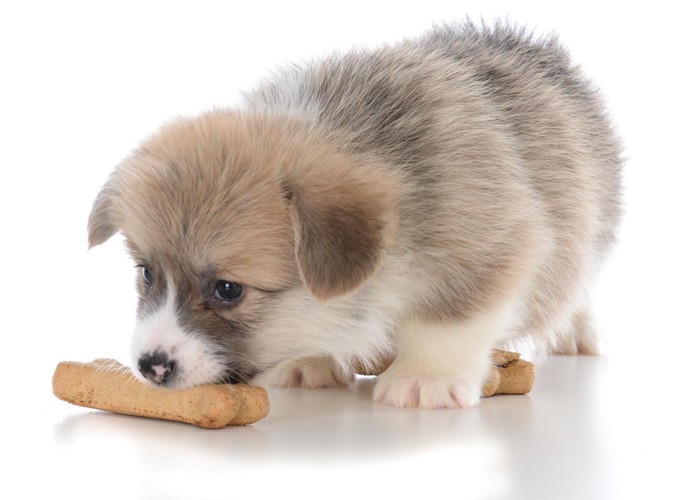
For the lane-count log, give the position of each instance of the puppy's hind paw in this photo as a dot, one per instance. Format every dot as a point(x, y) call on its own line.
point(426, 393)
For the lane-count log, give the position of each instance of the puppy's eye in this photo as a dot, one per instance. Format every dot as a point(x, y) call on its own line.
point(146, 274)
point(227, 291)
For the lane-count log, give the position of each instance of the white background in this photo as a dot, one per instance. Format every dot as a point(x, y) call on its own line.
point(81, 83)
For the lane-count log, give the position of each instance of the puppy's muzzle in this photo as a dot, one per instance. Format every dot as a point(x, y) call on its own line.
point(157, 367)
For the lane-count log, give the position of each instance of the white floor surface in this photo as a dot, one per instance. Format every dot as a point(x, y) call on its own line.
point(583, 433)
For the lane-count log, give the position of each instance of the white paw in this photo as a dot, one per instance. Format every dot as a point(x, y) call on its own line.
point(312, 373)
point(425, 392)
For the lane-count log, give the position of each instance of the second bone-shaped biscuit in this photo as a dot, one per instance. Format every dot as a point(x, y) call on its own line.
point(509, 374)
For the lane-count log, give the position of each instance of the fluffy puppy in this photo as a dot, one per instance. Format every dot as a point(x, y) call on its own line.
point(430, 199)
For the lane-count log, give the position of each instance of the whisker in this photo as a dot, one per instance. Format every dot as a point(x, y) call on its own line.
point(121, 372)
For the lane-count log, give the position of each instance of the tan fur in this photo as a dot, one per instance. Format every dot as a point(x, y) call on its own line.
point(464, 179)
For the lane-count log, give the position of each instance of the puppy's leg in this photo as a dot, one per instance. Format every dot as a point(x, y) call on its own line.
point(581, 336)
point(442, 365)
point(308, 373)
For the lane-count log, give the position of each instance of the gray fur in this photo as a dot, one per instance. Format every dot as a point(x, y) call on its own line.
point(477, 108)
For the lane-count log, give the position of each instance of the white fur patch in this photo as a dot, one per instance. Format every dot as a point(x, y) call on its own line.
point(305, 343)
point(160, 331)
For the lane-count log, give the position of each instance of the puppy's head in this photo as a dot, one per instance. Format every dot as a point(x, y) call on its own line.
point(244, 231)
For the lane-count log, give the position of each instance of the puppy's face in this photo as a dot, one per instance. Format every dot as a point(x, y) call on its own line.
point(239, 228)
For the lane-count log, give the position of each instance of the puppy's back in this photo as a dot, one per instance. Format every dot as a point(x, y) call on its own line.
point(430, 99)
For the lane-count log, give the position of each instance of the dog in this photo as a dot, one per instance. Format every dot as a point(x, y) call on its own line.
point(427, 200)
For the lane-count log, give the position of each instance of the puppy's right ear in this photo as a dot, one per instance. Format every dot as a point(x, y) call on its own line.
point(344, 218)
point(101, 223)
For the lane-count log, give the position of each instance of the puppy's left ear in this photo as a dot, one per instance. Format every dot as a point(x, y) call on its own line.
point(344, 218)
point(101, 223)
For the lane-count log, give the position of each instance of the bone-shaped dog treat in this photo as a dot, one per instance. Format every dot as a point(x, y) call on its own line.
point(509, 373)
point(105, 384)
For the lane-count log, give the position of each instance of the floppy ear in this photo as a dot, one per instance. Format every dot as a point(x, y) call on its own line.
point(101, 223)
point(343, 222)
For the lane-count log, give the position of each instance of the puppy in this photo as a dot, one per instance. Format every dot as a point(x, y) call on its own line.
point(428, 200)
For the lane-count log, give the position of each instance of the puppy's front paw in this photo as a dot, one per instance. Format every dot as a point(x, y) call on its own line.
point(312, 373)
point(408, 391)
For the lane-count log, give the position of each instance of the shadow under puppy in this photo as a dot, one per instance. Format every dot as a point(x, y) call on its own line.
point(431, 199)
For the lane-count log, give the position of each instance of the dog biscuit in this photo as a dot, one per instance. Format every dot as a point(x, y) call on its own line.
point(105, 384)
point(509, 373)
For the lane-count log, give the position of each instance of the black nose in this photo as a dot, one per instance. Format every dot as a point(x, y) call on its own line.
point(156, 367)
